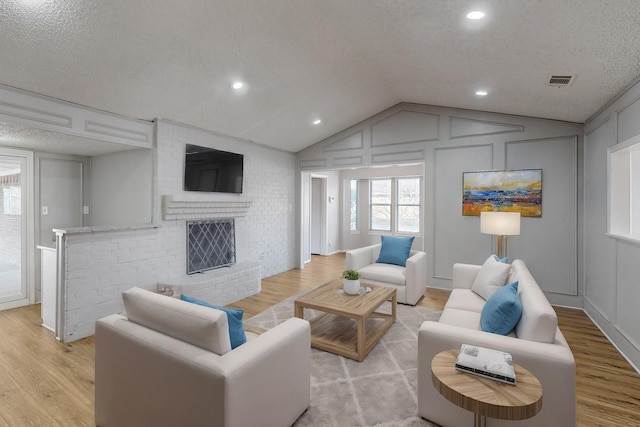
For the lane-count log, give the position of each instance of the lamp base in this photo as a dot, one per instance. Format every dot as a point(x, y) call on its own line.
point(502, 246)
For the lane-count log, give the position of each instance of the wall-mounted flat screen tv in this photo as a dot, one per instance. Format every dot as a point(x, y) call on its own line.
point(210, 170)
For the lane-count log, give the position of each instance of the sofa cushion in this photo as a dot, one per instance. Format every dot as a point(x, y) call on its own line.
point(465, 299)
point(491, 277)
point(234, 319)
point(539, 321)
point(191, 323)
point(461, 318)
point(502, 310)
point(385, 273)
point(395, 250)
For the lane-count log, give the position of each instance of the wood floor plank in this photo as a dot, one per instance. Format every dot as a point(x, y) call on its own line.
point(46, 383)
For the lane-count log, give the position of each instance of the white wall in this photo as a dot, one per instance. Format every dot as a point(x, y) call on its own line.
point(610, 267)
point(449, 142)
point(121, 188)
point(61, 193)
point(100, 265)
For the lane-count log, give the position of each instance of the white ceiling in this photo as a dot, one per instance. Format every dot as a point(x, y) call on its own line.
point(338, 60)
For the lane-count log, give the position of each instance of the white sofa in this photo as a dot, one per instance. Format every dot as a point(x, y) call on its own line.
point(410, 281)
point(171, 375)
point(536, 344)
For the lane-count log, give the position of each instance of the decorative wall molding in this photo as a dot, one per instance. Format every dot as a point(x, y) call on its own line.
point(29, 114)
point(405, 127)
point(351, 142)
point(460, 127)
point(406, 156)
point(194, 210)
point(347, 161)
point(102, 130)
point(19, 107)
point(313, 163)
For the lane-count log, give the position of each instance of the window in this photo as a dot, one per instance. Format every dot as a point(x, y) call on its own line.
point(353, 212)
point(624, 189)
point(394, 204)
point(380, 205)
point(12, 200)
point(408, 205)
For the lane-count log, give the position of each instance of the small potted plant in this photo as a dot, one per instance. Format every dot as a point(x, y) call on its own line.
point(351, 284)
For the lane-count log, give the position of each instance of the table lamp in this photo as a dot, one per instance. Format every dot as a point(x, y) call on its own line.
point(500, 224)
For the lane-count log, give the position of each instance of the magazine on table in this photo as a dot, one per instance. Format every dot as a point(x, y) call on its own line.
point(488, 363)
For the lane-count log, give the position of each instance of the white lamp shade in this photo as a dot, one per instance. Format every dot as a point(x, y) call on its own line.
point(500, 223)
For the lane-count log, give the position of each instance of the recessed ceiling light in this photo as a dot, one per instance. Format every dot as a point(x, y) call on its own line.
point(481, 92)
point(476, 14)
point(317, 122)
point(237, 85)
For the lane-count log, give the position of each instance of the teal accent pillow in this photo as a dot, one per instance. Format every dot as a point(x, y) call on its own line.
point(234, 319)
point(395, 250)
point(502, 260)
point(502, 311)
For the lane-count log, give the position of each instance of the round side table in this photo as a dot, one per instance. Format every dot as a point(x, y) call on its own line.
point(485, 397)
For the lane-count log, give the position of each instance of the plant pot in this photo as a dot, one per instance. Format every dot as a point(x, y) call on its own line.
point(351, 287)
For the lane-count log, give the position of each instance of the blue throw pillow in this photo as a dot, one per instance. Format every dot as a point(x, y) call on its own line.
point(395, 250)
point(502, 260)
point(502, 311)
point(234, 319)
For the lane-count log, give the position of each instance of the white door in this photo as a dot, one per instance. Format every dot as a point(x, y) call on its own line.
point(15, 289)
point(318, 223)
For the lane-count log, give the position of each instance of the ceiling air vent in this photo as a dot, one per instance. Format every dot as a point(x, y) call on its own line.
point(561, 80)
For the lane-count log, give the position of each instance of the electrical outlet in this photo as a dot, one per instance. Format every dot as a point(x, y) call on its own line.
point(85, 210)
point(45, 210)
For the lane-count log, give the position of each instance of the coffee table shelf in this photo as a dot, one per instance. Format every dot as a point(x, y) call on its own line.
point(349, 325)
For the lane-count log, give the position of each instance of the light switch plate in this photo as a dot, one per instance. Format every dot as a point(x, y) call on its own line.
point(85, 210)
point(45, 210)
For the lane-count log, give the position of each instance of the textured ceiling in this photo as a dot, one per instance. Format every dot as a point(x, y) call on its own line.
point(338, 60)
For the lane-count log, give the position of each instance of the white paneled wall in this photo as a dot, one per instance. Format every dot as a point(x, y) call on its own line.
point(610, 267)
point(446, 142)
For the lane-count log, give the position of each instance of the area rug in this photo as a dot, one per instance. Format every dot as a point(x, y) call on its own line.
point(379, 391)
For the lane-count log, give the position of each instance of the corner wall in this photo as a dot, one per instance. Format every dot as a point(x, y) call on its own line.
point(100, 265)
point(611, 268)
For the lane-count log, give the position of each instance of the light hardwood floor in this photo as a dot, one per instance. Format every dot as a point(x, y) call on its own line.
point(47, 383)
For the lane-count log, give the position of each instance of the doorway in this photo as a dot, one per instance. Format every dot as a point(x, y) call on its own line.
point(16, 248)
point(318, 223)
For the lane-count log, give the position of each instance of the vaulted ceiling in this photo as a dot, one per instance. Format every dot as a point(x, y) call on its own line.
point(340, 61)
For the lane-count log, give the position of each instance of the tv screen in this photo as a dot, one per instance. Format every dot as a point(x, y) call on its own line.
point(207, 169)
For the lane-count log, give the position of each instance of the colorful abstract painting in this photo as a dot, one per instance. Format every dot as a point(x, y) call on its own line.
point(503, 191)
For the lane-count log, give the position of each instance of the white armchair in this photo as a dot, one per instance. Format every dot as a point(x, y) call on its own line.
point(144, 377)
point(410, 281)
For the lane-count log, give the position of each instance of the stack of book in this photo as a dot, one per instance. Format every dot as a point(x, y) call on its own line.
point(488, 363)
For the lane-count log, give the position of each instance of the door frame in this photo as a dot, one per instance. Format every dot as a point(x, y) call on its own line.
point(323, 211)
point(28, 227)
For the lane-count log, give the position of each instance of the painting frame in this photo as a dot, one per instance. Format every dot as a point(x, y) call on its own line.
point(518, 190)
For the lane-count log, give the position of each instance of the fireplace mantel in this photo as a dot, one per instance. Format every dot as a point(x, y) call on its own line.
point(198, 209)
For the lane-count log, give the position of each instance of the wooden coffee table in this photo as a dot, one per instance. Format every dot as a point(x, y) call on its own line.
point(485, 397)
point(350, 325)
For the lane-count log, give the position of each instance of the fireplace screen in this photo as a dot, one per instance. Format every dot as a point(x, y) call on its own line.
point(210, 244)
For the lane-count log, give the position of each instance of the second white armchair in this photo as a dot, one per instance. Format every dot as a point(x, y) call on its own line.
point(410, 281)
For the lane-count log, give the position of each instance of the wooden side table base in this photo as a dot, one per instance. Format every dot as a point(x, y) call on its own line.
point(479, 420)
